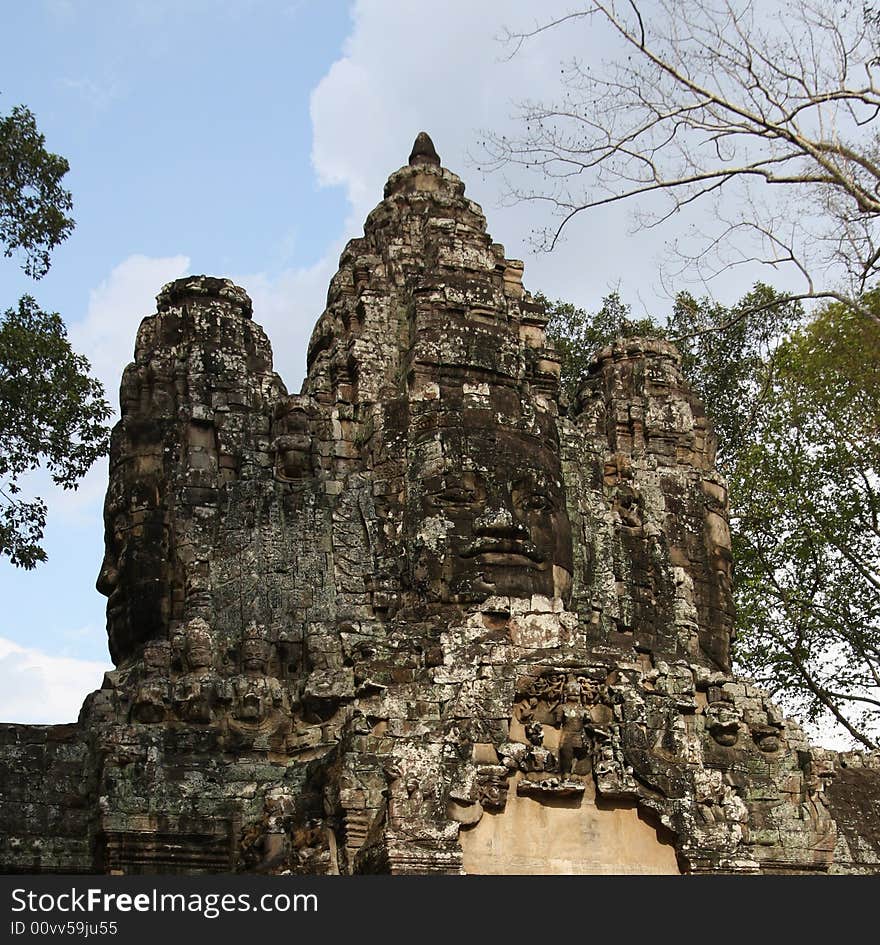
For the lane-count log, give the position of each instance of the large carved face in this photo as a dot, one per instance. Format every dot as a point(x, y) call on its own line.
point(487, 512)
point(134, 574)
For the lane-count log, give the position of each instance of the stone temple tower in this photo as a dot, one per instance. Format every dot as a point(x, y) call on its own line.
point(421, 616)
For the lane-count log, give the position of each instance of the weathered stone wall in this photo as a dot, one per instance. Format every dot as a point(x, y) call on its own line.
point(854, 803)
point(418, 617)
point(47, 808)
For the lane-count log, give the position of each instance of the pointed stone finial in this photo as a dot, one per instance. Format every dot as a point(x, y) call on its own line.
point(423, 151)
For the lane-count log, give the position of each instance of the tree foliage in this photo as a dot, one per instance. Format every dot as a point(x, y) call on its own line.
point(33, 204)
point(52, 412)
point(728, 356)
point(796, 406)
point(806, 493)
point(767, 112)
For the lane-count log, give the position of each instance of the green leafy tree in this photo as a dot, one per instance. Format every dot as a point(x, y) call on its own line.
point(52, 412)
point(33, 205)
point(806, 493)
point(728, 356)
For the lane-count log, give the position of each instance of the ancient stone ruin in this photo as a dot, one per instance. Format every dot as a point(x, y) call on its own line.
point(423, 616)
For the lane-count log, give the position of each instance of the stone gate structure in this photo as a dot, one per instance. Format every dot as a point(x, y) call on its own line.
point(421, 616)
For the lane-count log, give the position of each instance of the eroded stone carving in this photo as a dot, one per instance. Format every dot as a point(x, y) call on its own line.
point(421, 603)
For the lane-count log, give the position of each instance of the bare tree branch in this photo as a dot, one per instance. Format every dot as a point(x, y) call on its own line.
point(716, 100)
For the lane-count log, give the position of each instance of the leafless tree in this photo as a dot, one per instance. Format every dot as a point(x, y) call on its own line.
point(770, 110)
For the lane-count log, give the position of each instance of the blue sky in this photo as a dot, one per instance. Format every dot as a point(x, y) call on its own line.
point(249, 139)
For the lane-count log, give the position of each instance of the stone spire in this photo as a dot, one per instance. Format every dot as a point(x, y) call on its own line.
point(424, 237)
point(423, 151)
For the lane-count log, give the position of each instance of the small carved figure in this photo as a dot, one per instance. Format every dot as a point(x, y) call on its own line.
point(571, 718)
point(723, 721)
point(292, 444)
point(151, 698)
point(195, 693)
point(256, 693)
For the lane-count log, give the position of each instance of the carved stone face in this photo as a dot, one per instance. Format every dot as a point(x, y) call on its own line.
point(134, 572)
point(488, 515)
point(292, 440)
point(256, 651)
point(198, 646)
point(156, 658)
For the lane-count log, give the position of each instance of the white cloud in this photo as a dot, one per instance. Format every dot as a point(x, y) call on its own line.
point(396, 79)
point(62, 11)
point(38, 688)
point(116, 307)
